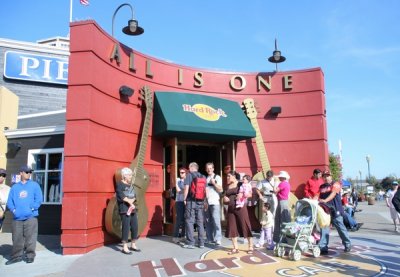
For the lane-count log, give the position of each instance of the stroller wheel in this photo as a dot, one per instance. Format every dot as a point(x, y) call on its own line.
point(316, 252)
point(276, 250)
point(296, 256)
point(280, 251)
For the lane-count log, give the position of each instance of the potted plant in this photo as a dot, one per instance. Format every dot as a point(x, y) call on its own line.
point(371, 199)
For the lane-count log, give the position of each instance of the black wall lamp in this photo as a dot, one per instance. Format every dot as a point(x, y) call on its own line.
point(275, 110)
point(133, 28)
point(12, 149)
point(276, 57)
point(14, 146)
point(126, 91)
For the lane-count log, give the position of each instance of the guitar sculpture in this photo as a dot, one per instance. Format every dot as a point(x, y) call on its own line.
point(140, 178)
point(251, 113)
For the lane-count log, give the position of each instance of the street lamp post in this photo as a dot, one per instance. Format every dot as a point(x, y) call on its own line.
point(276, 57)
point(356, 184)
point(360, 179)
point(368, 158)
point(133, 28)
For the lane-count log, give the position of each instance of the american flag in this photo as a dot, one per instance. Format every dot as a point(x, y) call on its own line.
point(85, 2)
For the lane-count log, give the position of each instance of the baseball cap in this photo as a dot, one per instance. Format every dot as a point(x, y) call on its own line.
point(3, 171)
point(326, 173)
point(25, 168)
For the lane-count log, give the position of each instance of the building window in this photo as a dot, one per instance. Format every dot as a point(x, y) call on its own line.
point(48, 170)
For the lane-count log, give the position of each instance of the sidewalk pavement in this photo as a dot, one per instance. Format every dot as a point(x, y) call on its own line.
point(375, 240)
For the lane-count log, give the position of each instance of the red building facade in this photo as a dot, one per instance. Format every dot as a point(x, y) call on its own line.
point(103, 131)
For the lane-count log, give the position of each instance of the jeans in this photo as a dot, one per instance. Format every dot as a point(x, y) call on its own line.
point(213, 223)
point(349, 221)
point(349, 210)
point(338, 223)
point(179, 219)
point(24, 236)
point(194, 212)
point(282, 216)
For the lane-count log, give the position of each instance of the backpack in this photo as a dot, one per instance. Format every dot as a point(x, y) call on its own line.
point(198, 188)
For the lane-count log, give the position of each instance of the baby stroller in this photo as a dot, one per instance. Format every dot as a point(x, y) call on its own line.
point(298, 235)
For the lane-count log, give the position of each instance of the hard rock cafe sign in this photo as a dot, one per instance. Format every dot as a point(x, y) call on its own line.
point(204, 111)
point(260, 263)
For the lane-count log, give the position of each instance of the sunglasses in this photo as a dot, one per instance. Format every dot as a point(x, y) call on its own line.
point(182, 172)
point(28, 172)
point(3, 175)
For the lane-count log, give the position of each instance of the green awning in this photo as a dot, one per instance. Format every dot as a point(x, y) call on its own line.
point(200, 117)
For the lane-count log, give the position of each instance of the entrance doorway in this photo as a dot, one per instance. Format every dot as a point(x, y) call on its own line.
point(180, 153)
point(201, 154)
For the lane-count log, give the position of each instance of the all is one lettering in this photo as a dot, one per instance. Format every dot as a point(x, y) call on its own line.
point(236, 83)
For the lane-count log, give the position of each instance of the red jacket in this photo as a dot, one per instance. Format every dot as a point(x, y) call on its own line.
point(312, 187)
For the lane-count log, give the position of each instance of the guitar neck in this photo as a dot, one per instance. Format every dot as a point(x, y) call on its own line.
point(261, 147)
point(144, 139)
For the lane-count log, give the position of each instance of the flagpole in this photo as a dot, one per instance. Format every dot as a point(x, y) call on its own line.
point(70, 11)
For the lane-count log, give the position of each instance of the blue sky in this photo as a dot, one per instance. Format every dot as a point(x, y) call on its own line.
point(356, 43)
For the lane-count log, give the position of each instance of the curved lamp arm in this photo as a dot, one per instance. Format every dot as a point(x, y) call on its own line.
point(132, 28)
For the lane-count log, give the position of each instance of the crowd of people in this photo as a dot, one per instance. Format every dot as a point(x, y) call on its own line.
point(234, 198)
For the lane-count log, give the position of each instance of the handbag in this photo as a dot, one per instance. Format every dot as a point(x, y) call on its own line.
point(323, 218)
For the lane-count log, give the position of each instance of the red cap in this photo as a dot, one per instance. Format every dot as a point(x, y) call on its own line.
point(326, 173)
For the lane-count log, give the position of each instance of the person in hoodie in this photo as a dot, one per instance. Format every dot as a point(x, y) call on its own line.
point(311, 189)
point(24, 200)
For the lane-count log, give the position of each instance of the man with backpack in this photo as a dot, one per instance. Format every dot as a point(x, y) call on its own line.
point(194, 196)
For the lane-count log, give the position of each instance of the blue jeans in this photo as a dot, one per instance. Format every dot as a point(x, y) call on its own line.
point(179, 219)
point(213, 223)
point(194, 212)
point(348, 219)
point(349, 210)
point(338, 223)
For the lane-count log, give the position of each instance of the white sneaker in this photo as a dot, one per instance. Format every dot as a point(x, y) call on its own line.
point(175, 240)
point(218, 242)
point(257, 245)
